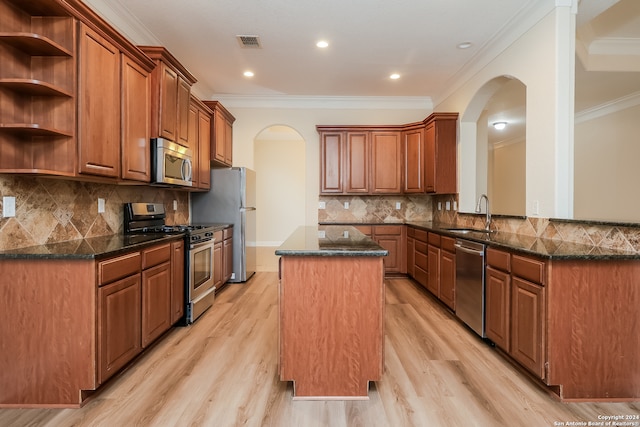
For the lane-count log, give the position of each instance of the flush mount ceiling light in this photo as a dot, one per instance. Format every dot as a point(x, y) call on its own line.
point(394, 76)
point(465, 45)
point(500, 125)
point(322, 44)
point(248, 73)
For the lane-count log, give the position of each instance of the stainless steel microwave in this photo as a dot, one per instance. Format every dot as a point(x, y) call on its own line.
point(171, 163)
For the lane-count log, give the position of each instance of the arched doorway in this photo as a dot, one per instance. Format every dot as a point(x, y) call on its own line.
point(279, 162)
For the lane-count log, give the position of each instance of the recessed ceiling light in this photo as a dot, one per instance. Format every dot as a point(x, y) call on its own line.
point(394, 76)
point(248, 73)
point(322, 44)
point(465, 45)
point(500, 125)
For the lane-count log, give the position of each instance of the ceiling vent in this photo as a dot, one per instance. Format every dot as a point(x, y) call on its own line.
point(249, 42)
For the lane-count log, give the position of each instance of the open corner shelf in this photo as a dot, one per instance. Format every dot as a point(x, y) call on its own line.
point(34, 44)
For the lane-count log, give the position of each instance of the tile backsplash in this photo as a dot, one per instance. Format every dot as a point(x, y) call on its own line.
point(375, 209)
point(52, 210)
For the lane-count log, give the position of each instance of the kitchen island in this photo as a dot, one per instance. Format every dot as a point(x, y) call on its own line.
point(331, 307)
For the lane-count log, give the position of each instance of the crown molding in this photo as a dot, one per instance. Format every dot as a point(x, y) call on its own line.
point(120, 17)
point(326, 102)
point(628, 101)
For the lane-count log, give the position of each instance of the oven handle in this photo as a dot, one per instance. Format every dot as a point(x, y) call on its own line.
point(201, 243)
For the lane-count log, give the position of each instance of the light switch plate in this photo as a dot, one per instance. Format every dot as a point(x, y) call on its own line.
point(175, 205)
point(322, 205)
point(455, 205)
point(100, 205)
point(346, 205)
point(398, 205)
point(8, 206)
point(447, 205)
point(439, 206)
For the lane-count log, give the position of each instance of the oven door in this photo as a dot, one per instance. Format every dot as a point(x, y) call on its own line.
point(201, 285)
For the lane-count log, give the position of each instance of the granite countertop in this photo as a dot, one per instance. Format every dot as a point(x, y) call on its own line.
point(545, 248)
point(531, 245)
point(95, 247)
point(330, 240)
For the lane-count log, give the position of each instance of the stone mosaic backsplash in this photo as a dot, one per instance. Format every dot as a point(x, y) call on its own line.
point(589, 233)
point(375, 209)
point(55, 210)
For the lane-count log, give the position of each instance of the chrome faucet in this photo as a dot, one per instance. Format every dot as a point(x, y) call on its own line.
point(487, 222)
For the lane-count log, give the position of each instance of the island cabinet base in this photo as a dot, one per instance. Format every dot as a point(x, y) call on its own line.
point(331, 325)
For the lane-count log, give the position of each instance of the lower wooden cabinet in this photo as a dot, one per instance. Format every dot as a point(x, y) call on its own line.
point(217, 260)
point(118, 325)
point(227, 252)
point(393, 239)
point(156, 300)
point(515, 307)
point(433, 262)
point(177, 281)
point(447, 290)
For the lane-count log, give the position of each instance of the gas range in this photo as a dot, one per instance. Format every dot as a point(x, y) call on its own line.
point(149, 218)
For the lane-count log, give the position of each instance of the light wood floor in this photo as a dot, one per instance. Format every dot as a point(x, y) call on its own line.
point(222, 371)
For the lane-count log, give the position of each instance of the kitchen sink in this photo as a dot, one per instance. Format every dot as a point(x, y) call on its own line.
point(468, 230)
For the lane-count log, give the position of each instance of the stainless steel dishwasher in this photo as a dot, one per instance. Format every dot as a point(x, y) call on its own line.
point(470, 284)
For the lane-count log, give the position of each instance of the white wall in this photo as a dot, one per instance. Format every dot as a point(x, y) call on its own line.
point(508, 178)
point(538, 59)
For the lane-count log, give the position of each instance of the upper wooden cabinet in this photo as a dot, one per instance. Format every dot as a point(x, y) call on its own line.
point(221, 135)
point(440, 142)
point(414, 158)
point(386, 162)
point(404, 159)
point(199, 141)
point(170, 96)
point(71, 105)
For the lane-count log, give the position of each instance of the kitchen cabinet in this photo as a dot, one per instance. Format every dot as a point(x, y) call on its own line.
point(447, 288)
point(38, 54)
point(177, 280)
point(386, 162)
point(119, 332)
point(410, 258)
point(440, 145)
point(515, 307)
point(413, 159)
point(199, 141)
point(72, 106)
point(156, 292)
point(221, 135)
point(433, 260)
point(420, 256)
point(170, 96)
point(218, 259)
point(136, 121)
point(393, 239)
point(98, 105)
point(227, 251)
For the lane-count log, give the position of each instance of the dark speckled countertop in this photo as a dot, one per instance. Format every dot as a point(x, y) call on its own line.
point(330, 240)
point(93, 247)
point(546, 248)
point(536, 246)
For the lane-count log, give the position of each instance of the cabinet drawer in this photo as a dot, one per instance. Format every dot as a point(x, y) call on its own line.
point(227, 233)
point(156, 255)
point(387, 230)
point(364, 229)
point(528, 268)
point(420, 260)
point(117, 268)
point(218, 236)
point(421, 235)
point(420, 247)
point(434, 239)
point(421, 276)
point(499, 260)
point(411, 232)
point(448, 244)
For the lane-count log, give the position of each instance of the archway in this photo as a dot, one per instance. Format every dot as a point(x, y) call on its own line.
point(279, 161)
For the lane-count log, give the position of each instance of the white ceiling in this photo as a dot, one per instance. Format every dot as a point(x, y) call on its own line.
point(369, 40)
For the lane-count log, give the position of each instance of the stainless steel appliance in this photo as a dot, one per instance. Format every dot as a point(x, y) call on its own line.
point(232, 200)
point(470, 284)
point(146, 218)
point(171, 163)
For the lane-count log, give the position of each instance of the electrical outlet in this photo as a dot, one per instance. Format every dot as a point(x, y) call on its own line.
point(175, 205)
point(321, 234)
point(439, 206)
point(100, 205)
point(345, 234)
point(455, 205)
point(8, 206)
point(322, 205)
point(346, 205)
point(447, 205)
point(398, 205)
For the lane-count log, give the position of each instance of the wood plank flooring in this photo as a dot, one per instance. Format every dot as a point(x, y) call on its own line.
point(222, 371)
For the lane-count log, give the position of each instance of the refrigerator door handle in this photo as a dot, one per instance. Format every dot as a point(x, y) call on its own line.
point(247, 209)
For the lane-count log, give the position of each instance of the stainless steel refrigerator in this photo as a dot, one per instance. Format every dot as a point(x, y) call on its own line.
point(232, 200)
